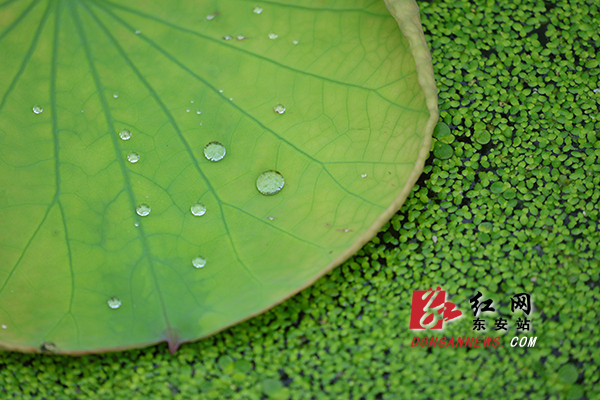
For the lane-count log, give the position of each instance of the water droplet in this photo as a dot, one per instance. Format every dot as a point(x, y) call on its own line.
point(273, 36)
point(231, 99)
point(346, 230)
point(136, 224)
point(48, 347)
point(227, 37)
point(125, 134)
point(596, 90)
point(192, 101)
point(133, 157)
point(82, 111)
point(138, 32)
point(295, 42)
point(279, 109)
point(434, 238)
point(198, 209)
point(271, 218)
point(199, 262)
point(116, 95)
point(198, 112)
point(240, 37)
point(257, 10)
point(214, 151)
point(210, 17)
point(220, 90)
point(4, 326)
point(37, 109)
point(363, 176)
point(270, 182)
point(114, 303)
point(143, 209)
point(187, 110)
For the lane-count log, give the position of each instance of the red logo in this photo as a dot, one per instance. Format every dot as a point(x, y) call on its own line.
point(430, 309)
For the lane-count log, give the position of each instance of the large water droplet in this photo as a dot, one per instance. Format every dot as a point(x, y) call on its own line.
point(257, 10)
point(37, 109)
point(214, 151)
point(199, 262)
point(279, 109)
point(114, 303)
point(198, 209)
point(125, 134)
point(270, 182)
point(133, 157)
point(273, 36)
point(143, 209)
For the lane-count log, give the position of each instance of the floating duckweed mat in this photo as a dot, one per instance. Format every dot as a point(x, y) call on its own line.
point(526, 74)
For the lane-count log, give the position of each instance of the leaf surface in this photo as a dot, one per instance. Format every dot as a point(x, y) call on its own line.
point(81, 271)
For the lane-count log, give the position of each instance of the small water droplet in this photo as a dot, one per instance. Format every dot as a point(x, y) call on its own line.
point(198, 112)
point(346, 230)
point(125, 134)
point(596, 90)
point(116, 95)
point(138, 32)
point(220, 90)
point(136, 224)
point(227, 37)
point(210, 17)
point(273, 36)
point(133, 157)
point(37, 109)
point(240, 37)
point(143, 209)
point(192, 101)
point(187, 110)
point(363, 176)
point(279, 109)
point(114, 303)
point(199, 262)
point(82, 111)
point(271, 218)
point(4, 326)
point(257, 10)
point(198, 209)
point(231, 99)
point(214, 151)
point(270, 182)
point(295, 42)
point(434, 238)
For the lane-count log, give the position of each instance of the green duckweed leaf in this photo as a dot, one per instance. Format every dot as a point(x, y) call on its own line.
point(132, 135)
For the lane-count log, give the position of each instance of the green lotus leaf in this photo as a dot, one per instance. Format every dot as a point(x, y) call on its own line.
point(132, 138)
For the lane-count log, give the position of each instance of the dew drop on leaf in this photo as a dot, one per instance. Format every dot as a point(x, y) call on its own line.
point(143, 209)
point(198, 112)
point(133, 157)
point(198, 209)
point(295, 42)
point(37, 109)
point(279, 109)
point(270, 182)
point(210, 17)
point(114, 303)
point(116, 95)
point(199, 262)
point(4, 326)
point(125, 134)
point(138, 32)
point(257, 10)
point(214, 151)
point(363, 176)
point(227, 37)
point(273, 36)
point(240, 37)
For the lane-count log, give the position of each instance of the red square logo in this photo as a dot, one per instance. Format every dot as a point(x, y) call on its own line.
point(430, 309)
